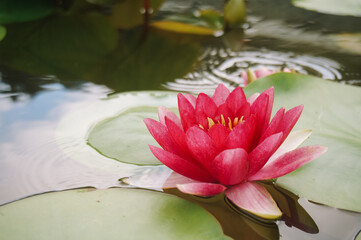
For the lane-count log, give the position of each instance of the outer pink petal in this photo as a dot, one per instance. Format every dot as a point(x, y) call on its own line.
point(270, 93)
point(161, 135)
point(289, 162)
point(231, 166)
point(205, 108)
point(242, 135)
point(201, 189)
point(255, 199)
point(165, 112)
point(274, 124)
point(219, 134)
point(201, 145)
point(236, 100)
point(289, 120)
point(220, 95)
point(192, 99)
point(260, 154)
point(253, 98)
point(178, 136)
point(174, 179)
point(187, 112)
point(180, 165)
point(259, 109)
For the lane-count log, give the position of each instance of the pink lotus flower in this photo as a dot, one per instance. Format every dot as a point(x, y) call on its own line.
point(251, 76)
point(226, 142)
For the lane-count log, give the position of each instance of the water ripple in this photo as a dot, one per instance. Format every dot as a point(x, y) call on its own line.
point(225, 66)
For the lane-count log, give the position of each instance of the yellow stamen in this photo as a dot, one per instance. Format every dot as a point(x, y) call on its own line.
point(201, 126)
point(210, 122)
point(235, 122)
point(223, 121)
point(229, 123)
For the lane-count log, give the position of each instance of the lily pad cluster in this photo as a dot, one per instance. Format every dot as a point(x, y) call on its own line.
point(330, 110)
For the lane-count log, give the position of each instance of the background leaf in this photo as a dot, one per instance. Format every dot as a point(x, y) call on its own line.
point(107, 214)
point(345, 7)
point(123, 136)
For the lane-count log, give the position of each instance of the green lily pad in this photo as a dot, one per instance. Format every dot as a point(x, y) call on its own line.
point(333, 112)
point(122, 136)
point(345, 7)
point(115, 128)
point(107, 214)
point(184, 28)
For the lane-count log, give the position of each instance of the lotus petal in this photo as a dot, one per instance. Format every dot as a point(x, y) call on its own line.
point(205, 107)
point(178, 136)
point(293, 141)
point(165, 112)
point(201, 189)
point(236, 100)
point(255, 199)
point(241, 136)
point(202, 146)
point(270, 93)
point(289, 162)
point(162, 136)
point(180, 165)
point(219, 134)
point(186, 112)
point(192, 99)
point(174, 179)
point(231, 166)
point(274, 124)
point(220, 95)
point(259, 109)
point(253, 98)
point(289, 120)
point(260, 155)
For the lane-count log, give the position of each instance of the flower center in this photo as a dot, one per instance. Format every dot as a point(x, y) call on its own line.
point(225, 122)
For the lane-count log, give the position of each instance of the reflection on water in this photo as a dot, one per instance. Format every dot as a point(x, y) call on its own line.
point(31, 160)
point(46, 75)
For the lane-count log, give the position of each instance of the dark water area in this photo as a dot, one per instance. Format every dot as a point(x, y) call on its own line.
point(52, 67)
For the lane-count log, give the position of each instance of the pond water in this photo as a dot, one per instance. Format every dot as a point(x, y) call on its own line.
point(52, 68)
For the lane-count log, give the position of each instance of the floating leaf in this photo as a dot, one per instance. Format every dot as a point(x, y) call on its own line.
point(107, 214)
point(185, 28)
point(122, 136)
point(121, 109)
point(345, 7)
point(333, 112)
